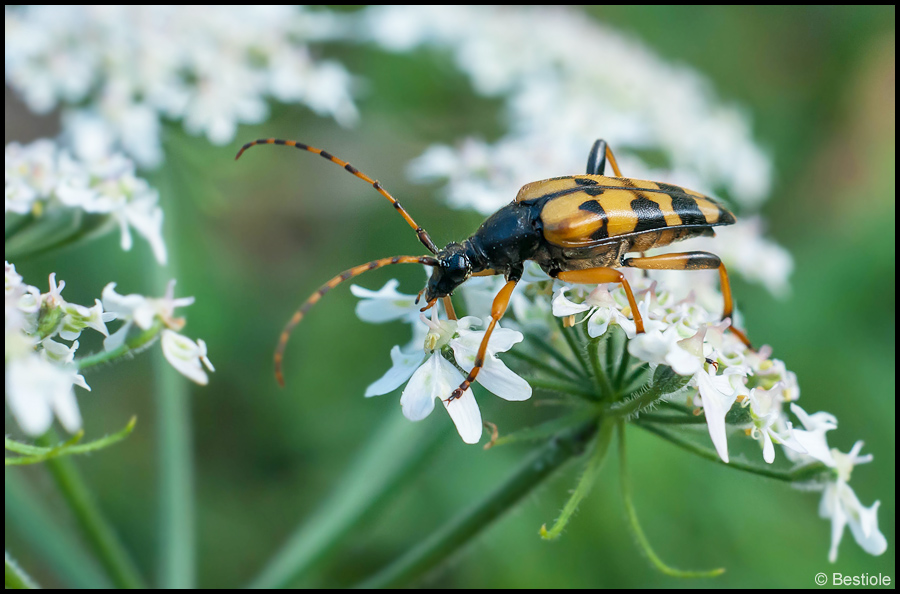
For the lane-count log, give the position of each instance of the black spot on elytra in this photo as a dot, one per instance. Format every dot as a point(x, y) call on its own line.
point(686, 208)
point(725, 217)
point(584, 181)
point(649, 215)
point(594, 207)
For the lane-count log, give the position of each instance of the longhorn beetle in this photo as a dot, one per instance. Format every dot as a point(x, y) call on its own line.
point(578, 228)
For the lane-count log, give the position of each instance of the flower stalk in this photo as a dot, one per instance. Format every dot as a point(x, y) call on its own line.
point(97, 530)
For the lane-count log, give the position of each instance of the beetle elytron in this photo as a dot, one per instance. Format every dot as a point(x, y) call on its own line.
point(578, 228)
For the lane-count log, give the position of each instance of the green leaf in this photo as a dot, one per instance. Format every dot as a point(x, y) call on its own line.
point(666, 381)
point(32, 454)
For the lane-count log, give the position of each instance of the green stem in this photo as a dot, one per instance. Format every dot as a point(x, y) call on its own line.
point(643, 399)
point(128, 349)
point(53, 541)
point(625, 480)
point(16, 578)
point(544, 346)
point(798, 475)
point(33, 454)
point(538, 364)
point(440, 546)
point(673, 419)
point(609, 346)
point(601, 447)
point(623, 366)
point(636, 373)
point(599, 374)
point(98, 531)
point(566, 388)
point(177, 541)
point(573, 346)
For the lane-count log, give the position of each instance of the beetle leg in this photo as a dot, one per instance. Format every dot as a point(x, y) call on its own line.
point(693, 261)
point(501, 301)
point(590, 276)
point(448, 306)
point(599, 155)
point(486, 272)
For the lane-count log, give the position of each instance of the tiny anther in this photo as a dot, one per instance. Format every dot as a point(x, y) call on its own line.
point(714, 364)
point(697, 412)
point(568, 321)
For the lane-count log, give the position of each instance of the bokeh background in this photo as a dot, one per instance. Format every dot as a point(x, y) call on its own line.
point(251, 239)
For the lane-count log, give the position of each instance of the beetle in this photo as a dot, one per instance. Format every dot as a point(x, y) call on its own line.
point(577, 228)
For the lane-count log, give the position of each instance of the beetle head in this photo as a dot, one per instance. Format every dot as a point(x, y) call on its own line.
point(452, 270)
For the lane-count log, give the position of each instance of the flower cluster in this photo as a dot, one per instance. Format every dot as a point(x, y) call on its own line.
point(119, 70)
point(740, 393)
point(47, 183)
point(42, 331)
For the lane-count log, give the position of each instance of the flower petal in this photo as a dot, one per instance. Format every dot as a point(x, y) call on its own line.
point(466, 416)
point(432, 380)
point(562, 306)
point(184, 355)
point(404, 365)
point(717, 397)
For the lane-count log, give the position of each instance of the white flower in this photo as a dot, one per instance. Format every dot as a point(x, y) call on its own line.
point(812, 436)
point(37, 389)
point(495, 376)
point(602, 307)
point(430, 374)
point(688, 356)
point(437, 378)
point(840, 503)
point(768, 422)
point(386, 304)
point(79, 317)
point(185, 355)
point(143, 311)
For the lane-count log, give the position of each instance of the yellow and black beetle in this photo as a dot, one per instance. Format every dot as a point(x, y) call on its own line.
point(578, 228)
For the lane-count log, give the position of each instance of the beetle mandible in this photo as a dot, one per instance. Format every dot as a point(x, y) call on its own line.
point(578, 228)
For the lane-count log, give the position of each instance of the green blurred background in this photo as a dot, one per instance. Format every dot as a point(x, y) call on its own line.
point(251, 240)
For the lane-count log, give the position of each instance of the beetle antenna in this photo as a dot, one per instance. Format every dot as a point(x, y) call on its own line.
point(346, 275)
point(420, 232)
